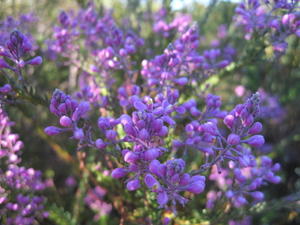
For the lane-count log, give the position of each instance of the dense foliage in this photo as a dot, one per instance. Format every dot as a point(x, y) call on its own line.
point(149, 112)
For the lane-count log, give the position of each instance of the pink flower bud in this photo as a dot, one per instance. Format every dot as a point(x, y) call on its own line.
point(228, 121)
point(65, 121)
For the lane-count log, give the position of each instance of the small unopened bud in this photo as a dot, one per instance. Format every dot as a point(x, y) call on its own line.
point(256, 140)
point(233, 139)
point(257, 195)
point(100, 144)
point(151, 154)
point(52, 130)
point(111, 134)
point(118, 173)
point(150, 181)
point(131, 157)
point(78, 134)
point(3, 64)
point(256, 128)
point(133, 184)
point(5, 89)
point(228, 121)
point(65, 121)
point(35, 61)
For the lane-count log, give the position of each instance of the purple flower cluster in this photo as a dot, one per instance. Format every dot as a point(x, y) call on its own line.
point(271, 109)
point(23, 23)
point(278, 19)
point(156, 113)
point(19, 202)
point(107, 43)
point(90, 91)
point(181, 63)
point(179, 23)
point(94, 199)
point(14, 52)
point(69, 112)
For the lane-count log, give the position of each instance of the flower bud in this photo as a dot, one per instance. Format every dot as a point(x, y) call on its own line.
point(35, 61)
point(181, 81)
point(81, 111)
point(157, 168)
point(65, 121)
point(195, 112)
point(180, 109)
point(233, 139)
point(111, 135)
point(228, 121)
point(256, 140)
point(3, 64)
point(52, 130)
point(78, 134)
point(151, 154)
point(197, 184)
point(130, 130)
point(256, 128)
point(5, 89)
point(240, 201)
point(139, 105)
point(177, 143)
point(144, 134)
point(119, 173)
point(133, 184)
point(100, 143)
point(239, 176)
point(163, 132)
point(150, 181)
point(257, 195)
point(157, 124)
point(162, 198)
point(131, 157)
point(248, 121)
